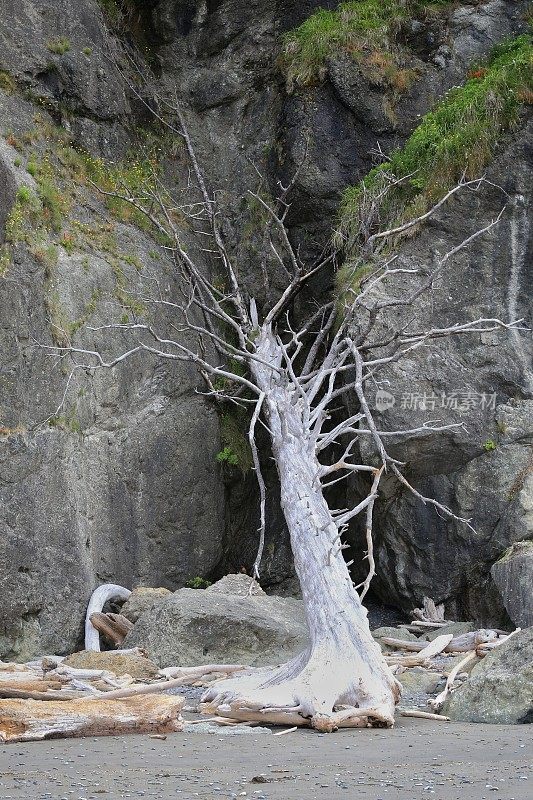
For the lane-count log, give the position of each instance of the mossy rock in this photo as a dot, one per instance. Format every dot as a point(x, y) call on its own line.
point(139, 667)
point(394, 633)
point(500, 688)
point(420, 680)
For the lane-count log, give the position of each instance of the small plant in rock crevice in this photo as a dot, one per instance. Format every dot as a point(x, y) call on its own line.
point(198, 583)
point(227, 456)
point(59, 46)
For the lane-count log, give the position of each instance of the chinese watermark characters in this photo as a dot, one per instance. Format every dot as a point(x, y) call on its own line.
point(459, 400)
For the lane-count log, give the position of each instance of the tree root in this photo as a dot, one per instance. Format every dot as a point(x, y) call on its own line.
point(289, 695)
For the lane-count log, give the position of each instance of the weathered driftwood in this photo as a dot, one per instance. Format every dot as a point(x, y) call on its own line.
point(196, 672)
point(287, 730)
point(414, 712)
point(114, 627)
point(429, 611)
point(407, 661)
point(186, 674)
point(100, 596)
point(436, 646)
point(485, 647)
point(421, 659)
point(35, 685)
point(457, 644)
point(419, 626)
point(31, 720)
point(50, 694)
point(438, 702)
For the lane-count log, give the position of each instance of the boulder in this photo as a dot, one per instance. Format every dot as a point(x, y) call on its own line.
point(394, 633)
point(500, 687)
point(419, 681)
point(513, 575)
point(138, 666)
point(141, 600)
point(236, 583)
point(195, 626)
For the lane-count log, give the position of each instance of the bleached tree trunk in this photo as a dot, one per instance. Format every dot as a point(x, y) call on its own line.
point(342, 677)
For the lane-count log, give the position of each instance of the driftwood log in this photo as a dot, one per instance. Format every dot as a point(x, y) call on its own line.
point(458, 644)
point(430, 612)
point(100, 596)
point(113, 627)
point(439, 701)
point(32, 720)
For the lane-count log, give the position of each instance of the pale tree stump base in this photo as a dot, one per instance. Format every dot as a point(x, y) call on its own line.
point(305, 693)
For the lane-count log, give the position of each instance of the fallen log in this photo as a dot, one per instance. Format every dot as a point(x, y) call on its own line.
point(457, 644)
point(421, 625)
point(114, 627)
point(487, 646)
point(436, 647)
point(186, 675)
point(33, 720)
point(420, 659)
point(198, 672)
point(413, 660)
point(52, 694)
point(35, 685)
point(99, 598)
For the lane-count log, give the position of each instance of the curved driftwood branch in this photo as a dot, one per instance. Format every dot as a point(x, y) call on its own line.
point(99, 598)
point(439, 701)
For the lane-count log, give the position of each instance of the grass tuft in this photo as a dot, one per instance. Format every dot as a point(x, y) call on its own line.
point(59, 46)
point(458, 136)
point(366, 30)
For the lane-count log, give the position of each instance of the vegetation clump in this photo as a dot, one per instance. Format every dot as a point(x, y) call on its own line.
point(60, 46)
point(7, 82)
point(198, 583)
point(366, 30)
point(236, 449)
point(457, 138)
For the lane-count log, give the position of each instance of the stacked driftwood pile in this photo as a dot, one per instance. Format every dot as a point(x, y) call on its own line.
point(433, 655)
point(46, 698)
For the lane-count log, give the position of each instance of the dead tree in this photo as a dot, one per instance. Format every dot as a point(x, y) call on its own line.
point(292, 375)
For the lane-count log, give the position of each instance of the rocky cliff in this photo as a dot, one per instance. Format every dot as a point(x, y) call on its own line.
point(122, 484)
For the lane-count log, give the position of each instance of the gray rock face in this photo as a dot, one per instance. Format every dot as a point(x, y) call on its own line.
point(131, 493)
point(124, 486)
point(500, 687)
point(201, 627)
point(513, 575)
point(483, 381)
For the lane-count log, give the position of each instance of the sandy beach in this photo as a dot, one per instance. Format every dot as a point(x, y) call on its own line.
point(418, 759)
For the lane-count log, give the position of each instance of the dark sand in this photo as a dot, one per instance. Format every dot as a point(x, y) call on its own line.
point(418, 759)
